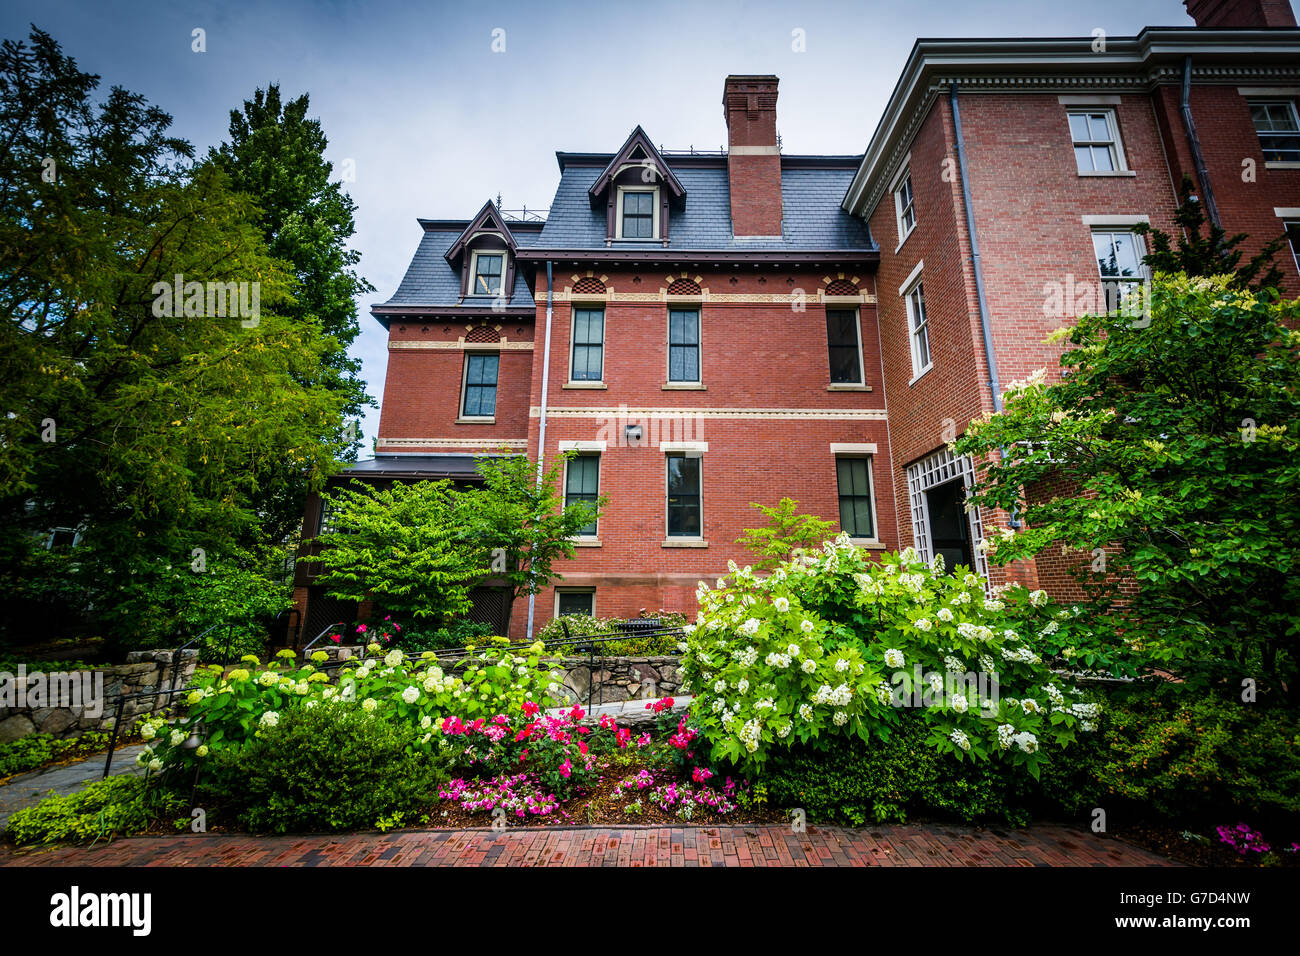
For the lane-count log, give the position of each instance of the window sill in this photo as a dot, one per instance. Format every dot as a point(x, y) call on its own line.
point(919, 375)
point(595, 385)
point(870, 543)
point(475, 421)
point(683, 387)
point(1279, 164)
point(1093, 173)
point(902, 242)
point(684, 543)
point(847, 387)
point(586, 542)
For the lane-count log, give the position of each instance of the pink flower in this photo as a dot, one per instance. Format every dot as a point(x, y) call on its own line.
point(361, 629)
point(566, 768)
point(530, 709)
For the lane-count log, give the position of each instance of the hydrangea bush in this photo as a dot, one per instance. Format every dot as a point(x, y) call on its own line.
point(228, 710)
point(833, 644)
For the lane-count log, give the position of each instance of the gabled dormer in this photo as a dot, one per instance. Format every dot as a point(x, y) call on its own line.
point(485, 256)
point(637, 189)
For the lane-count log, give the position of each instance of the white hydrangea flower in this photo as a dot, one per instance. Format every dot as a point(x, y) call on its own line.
point(176, 738)
point(1005, 734)
point(781, 604)
point(411, 695)
point(806, 626)
point(960, 739)
point(841, 664)
point(1038, 598)
point(369, 705)
point(945, 615)
point(808, 665)
point(742, 685)
point(953, 666)
point(894, 657)
point(924, 624)
point(960, 704)
point(1026, 741)
point(840, 718)
point(792, 650)
point(269, 719)
point(806, 711)
point(777, 660)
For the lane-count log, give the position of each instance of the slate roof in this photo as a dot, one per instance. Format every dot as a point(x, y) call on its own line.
point(463, 467)
point(430, 280)
point(812, 189)
point(813, 219)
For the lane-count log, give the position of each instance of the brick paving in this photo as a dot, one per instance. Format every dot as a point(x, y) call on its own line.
point(910, 845)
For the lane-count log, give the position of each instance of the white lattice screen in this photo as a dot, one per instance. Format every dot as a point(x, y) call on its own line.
point(933, 470)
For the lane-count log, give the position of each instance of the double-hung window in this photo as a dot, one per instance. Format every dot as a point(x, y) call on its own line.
point(918, 330)
point(854, 478)
point(588, 359)
point(1095, 134)
point(1119, 263)
point(480, 399)
point(1278, 130)
point(684, 496)
point(489, 273)
point(905, 207)
point(571, 601)
point(684, 345)
point(638, 214)
point(845, 347)
point(582, 483)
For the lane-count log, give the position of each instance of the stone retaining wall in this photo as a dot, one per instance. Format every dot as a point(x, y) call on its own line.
point(92, 705)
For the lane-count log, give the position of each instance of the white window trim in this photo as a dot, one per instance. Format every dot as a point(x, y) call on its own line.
point(1117, 143)
point(473, 272)
point(596, 446)
point(1139, 246)
point(698, 308)
point(690, 450)
point(618, 212)
point(600, 467)
point(867, 453)
point(862, 367)
point(575, 590)
point(905, 176)
point(604, 347)
point(1113, 222)
point(461, 417)
point(1288, 101)
point(933, 470)
point(1295, 251)
point(905, 291)
point(1283, 212)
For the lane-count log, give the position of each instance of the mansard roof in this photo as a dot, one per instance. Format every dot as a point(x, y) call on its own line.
point(489, 219)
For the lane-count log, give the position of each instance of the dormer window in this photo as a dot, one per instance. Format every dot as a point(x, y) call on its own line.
point(488, 273)
point(637, 213)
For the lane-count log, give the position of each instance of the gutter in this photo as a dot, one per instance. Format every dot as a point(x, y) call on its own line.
point(1189, 124)
point(541, 428)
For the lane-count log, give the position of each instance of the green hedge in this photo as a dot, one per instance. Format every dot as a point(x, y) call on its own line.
point(329, 767)
point(891, 780)
point(581, 625)
point(36, 750)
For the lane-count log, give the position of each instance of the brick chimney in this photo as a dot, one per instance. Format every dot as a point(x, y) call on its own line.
point(1240, 13)
point(753, 159)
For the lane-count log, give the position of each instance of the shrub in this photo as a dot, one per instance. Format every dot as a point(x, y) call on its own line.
point(460, 633)
point(890, 780)
point(1193, 756)
point(36, 750)
point(833, 646)
point(328, 767)
point(116, 806)
point(228, 710)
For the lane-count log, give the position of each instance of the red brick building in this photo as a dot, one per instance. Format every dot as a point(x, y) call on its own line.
point(709, 330)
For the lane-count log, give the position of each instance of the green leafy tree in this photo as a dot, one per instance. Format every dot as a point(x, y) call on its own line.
point(158, 428)
point(418, 549)
point(403, 547)
point(276, 155)
point(785, 532)
point(1168, 457)
point(525, 520)
point(1204, 249)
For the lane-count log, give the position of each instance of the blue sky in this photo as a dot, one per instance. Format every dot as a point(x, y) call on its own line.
point(435, 122)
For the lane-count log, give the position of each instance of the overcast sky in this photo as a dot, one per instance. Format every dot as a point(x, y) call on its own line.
point(436, 122)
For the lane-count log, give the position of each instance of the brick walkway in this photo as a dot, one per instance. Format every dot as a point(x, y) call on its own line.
point(1042, 845)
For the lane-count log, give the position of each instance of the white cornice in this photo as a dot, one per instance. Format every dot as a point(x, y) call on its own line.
point(1067, 65)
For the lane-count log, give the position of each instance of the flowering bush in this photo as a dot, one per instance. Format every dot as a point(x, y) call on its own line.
point(831, 644)
point(226, 710)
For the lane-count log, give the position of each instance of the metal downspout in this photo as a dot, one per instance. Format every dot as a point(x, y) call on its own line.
point(1202, 171)
point(541, 428)
point(990, 357)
